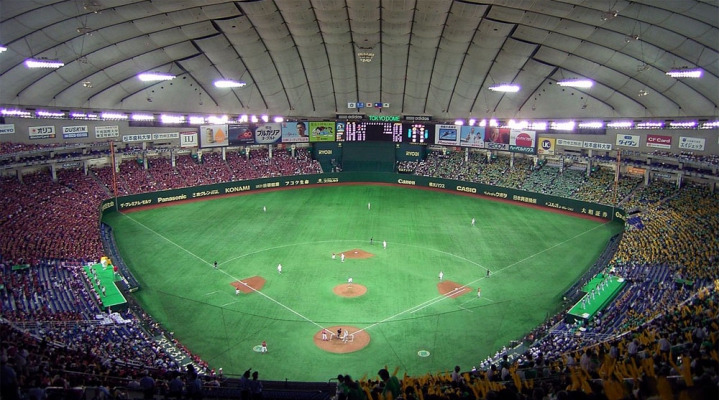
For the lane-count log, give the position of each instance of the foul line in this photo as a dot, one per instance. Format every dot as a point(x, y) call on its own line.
point(414, 309)
point(224, 272)
point(440, 298)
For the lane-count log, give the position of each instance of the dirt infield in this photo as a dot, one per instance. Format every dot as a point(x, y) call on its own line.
point(355, 342)
point(347, 290)
point(453, 289)
point(355, 253)
point(249, 285)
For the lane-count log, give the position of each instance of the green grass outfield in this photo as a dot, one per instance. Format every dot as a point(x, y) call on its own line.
point(534, 256)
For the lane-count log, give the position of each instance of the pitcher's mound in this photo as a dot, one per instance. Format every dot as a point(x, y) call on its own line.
point(347, 290)
point(452, 289)
point(249, 285)
point(356, 340)
point(355, 253)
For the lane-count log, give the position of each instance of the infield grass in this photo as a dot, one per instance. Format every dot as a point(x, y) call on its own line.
point(534, 256)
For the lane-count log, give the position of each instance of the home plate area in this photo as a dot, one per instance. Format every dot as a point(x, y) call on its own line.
point(452, 289)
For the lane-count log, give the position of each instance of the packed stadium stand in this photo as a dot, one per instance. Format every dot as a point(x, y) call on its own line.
point(659, 336)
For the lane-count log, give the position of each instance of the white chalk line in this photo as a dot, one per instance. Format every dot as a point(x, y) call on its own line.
point(226, 273)
point(440, 298)
point(411, 309)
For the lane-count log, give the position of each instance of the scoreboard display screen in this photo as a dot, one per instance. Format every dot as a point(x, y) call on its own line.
point(417, 133)
point(360, 131)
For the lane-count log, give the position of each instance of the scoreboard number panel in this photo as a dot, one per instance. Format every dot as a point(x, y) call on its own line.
point(418, 133)
point(362, 131)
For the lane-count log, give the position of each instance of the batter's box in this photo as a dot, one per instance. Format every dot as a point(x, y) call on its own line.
point(249, 285)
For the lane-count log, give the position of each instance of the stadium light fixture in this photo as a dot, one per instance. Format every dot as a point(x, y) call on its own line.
point(505, 87)
point(620, 124)
point(43, 63)
point(650, 125)
point(591, 125)
point(49, 114)
point(576, 83)
point(709, 125)
point(279, 119)
point(686, 73)
point(229, 83)
point(683, 124)
point(493, 122)
point(154, 77)
point(458, 122)
point(471, 122)
point(483, 123)
point(172, 119)
point(113, 116)
point(217, 120)
point(143, 117)
point(197, 120)
point(538, 126)
point(3, 49)
point(16, 113)
point(563, 126)
point(243, 118)
point(265, 118)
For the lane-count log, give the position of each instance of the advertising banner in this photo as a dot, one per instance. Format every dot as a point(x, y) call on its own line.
point(104, 132)
point(269, 133)
point(6, 129)
point(627, 140)
point(142, 137)
point(41, 132)
point(447, 134)
point(569, 143)
point(659, 141)
point(596, 145)
point(323, 131)
point(471, 136)
point(522, 141)
point(240, 135)
point(164, 136)
point(636, 171)
point(75, 132)
point(188, 139)
point(340, 132)
point(213, 136)
point(691, 143)
point(546, 146)
point(497, 138)
point(295, 132)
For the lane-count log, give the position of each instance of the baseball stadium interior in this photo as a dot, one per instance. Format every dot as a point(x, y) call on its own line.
point(599, 110)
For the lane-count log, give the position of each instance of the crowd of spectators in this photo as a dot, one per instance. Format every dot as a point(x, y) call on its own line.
point(654, 329)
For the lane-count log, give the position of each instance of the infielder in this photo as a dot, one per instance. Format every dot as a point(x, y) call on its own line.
point(342, 257)
point(441, 275)
point(279, 268)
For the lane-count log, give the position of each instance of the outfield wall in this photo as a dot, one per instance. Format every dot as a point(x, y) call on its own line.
point(208, 191)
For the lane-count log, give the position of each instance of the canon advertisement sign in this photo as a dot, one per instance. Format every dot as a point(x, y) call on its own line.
point(659, 141)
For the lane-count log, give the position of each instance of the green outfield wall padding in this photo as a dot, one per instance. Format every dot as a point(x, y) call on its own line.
point(603, 211)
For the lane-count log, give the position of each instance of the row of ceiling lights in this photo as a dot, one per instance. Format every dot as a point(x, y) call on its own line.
point(568, 125)
point(684, 72)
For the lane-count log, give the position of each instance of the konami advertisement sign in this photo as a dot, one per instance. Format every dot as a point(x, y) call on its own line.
point(659, 141)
